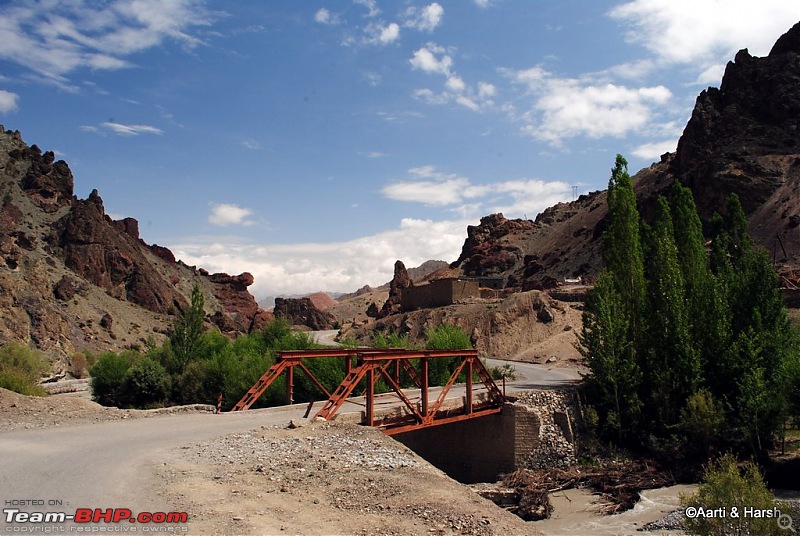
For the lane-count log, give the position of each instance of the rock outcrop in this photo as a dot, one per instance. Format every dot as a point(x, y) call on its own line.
point(303, 312)
point(400, 281)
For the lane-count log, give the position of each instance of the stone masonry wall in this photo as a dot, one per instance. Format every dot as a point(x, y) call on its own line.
point(535, 432)
point(559, 414)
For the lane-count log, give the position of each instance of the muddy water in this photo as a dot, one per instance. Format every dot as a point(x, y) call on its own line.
point(576, 512)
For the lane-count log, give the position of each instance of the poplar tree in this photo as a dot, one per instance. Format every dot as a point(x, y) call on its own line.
point(605, 345)
point(187, 334)
point(673, 366)
point(622, 249)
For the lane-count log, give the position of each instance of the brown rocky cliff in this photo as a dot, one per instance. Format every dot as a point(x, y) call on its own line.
point(71, 278)
point(303, 312)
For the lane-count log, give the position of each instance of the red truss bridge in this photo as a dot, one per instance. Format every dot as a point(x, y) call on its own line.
point(412, 408)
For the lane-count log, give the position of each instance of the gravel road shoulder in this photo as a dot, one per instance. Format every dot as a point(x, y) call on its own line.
point(323, 479)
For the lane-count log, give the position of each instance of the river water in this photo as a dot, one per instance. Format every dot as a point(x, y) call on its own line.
point(577, 512)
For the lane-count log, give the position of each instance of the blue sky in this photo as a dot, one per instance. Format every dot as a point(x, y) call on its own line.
point(315, 143)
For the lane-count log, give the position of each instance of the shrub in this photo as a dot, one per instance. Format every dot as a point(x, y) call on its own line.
point(108, 375)
point(727, 487)
point(146, 384)
point(192, 387)
point(14, 380)
point(702, 420)
point(445, 337)
point(21, 368)
point(79, 365)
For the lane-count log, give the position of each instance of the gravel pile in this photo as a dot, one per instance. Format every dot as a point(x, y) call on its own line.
point(336, 448)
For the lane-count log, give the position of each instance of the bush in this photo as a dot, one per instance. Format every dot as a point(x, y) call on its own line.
point(21, 368)
point(79, 365)
point(146, 384)
point(16, 381)
point(445, 337)
point(108, 375)
point(727, 487)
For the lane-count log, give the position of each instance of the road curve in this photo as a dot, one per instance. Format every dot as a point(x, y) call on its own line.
point(111, 464)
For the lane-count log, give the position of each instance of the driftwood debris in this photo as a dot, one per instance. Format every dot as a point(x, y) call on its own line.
point(617, 482)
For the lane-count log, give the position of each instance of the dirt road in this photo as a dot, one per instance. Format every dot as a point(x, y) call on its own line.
point(173, 463)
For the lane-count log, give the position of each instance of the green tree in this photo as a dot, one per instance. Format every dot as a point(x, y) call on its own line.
point(187, 333)
point(608, 353)
point(622, 248)
point(673, 367)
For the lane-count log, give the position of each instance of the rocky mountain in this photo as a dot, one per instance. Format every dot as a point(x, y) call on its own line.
point(72, 278)
point(743, 137)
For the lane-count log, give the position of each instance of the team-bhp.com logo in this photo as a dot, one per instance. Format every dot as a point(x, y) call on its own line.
point(95, 515)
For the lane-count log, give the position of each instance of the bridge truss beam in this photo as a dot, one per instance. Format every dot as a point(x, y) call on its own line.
point(372, 364)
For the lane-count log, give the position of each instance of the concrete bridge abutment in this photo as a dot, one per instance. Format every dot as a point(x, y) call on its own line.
point(536, 431)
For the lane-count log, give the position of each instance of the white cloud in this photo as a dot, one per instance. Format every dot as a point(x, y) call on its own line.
point(425, 19)
point(653, 151)
point(390, 33)
point(371, 6)
point(455, 83)
point(513, 197)
point(324, 16)
point(425, 60)
point(376, 33)
point(125, 130)
point(342, 266)
point(482, 3)
point(8, 101)
point(122, 129)
point(56, 38)
point(566, 107)
point(706, 32)
point(251, 144)
point(224, 214)
point(486, 90)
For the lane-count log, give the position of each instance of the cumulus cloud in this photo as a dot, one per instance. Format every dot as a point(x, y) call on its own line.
point(8, 101)
point(513, 197)
point(425, 59)
point(342, 266)
point(389, 33)
point(56, 38)
point(224, 214)
point(569, 107)
point(434, 59)
point(694, 31)
point(705, 34)
point(652, 151)
point(425, 19)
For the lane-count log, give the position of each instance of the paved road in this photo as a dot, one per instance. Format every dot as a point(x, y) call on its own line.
point(109, 464)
